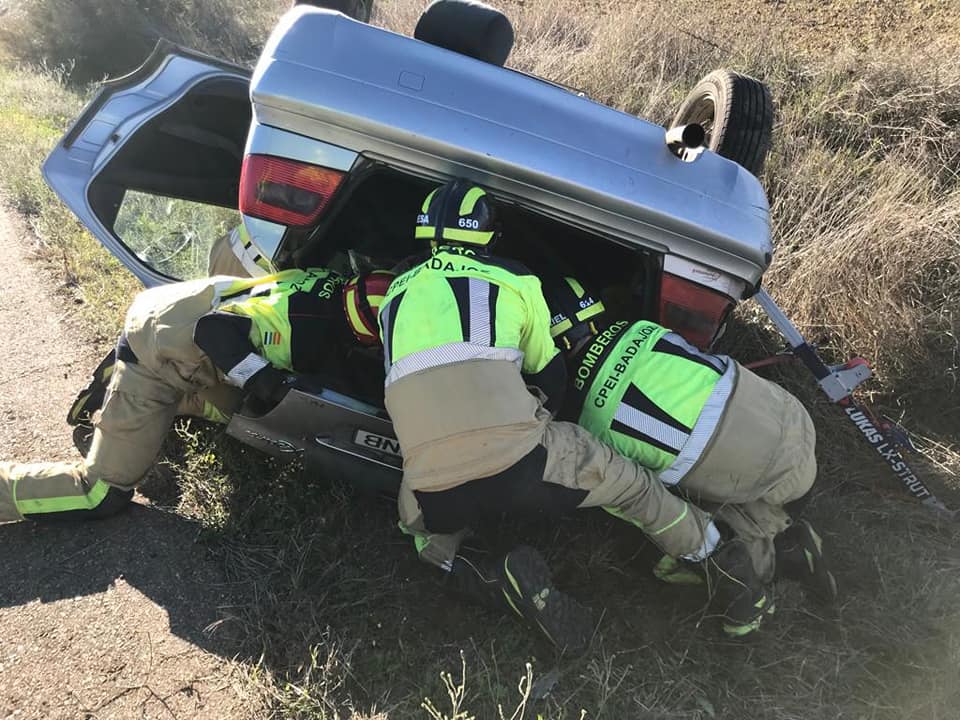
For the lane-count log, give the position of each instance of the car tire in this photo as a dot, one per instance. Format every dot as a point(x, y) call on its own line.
point(737, 113)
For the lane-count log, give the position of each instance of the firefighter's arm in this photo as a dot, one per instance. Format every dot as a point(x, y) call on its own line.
point(552, 381)
point(225, 338)
point(543, 364)
point(675, 525)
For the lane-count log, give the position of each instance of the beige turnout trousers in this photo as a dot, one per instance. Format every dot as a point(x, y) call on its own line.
point(138, 411)
point(136, 416)
point(223, 260)
point(761, 457)
point(216, 404)
point(468, 396)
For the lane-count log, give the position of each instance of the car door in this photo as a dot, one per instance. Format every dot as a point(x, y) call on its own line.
point(152, 166)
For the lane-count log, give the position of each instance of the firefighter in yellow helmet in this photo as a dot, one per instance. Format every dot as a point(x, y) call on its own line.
point(262, 335)
point(473, 378)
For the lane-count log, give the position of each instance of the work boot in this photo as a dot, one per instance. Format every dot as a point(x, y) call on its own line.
point(91, 398)
point(799, 553)
point(736, 592)
point(521, 579)
point(471, 578)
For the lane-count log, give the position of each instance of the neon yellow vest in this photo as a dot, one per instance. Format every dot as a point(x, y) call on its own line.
point(462, 304)
point(266, 301)
point(643, 389)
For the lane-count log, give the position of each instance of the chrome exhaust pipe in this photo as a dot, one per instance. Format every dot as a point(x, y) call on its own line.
point(683, 140)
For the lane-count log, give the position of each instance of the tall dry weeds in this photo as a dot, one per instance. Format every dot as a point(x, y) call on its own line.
point(863, 175)
point(94, 39)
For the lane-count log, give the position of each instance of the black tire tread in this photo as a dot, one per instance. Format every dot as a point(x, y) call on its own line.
point(743, 116)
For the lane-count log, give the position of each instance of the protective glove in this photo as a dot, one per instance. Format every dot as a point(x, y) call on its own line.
point(272, 385)
point(311, 384)
point(678, 572)
point(686, 570)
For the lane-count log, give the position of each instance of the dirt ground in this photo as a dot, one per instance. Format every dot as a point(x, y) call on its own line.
point(106, 620)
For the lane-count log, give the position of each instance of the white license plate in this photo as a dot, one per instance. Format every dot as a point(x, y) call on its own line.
point(384, 444)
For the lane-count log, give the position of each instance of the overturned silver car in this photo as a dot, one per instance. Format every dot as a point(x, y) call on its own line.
point(325, 151)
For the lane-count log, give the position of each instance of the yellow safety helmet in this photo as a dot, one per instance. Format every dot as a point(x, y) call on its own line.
point(459, 213)
point(574, 312)
point(362, 297)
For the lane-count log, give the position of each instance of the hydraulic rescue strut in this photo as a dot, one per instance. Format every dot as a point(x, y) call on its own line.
point(838, 383)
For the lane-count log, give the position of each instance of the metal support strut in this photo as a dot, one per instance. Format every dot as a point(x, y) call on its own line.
point(838, 383)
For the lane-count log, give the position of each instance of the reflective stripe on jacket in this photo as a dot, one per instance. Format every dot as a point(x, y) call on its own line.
point(652, 396)
point(247, 253)
point(460, 305)
point(284, 309)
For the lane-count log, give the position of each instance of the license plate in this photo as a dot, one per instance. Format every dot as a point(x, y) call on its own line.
point(384, 444)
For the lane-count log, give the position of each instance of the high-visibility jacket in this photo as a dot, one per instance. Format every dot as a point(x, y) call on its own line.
point(651, 395)
point(235, 254)
point(459, 305)
point(291, 320)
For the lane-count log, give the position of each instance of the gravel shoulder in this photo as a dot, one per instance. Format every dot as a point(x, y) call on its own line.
point(115, 619)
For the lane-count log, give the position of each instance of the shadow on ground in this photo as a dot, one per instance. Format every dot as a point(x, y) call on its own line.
point(115, 619)
point(154, 551)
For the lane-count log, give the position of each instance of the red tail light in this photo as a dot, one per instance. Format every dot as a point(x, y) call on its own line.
point(694, 311)
point(286, 191)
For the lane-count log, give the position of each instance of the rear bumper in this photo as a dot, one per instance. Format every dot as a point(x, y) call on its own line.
point(332, 434)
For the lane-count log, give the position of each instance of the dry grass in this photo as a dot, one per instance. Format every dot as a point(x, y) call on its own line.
point(72, 34)
point(862, 177)
point(340, 621)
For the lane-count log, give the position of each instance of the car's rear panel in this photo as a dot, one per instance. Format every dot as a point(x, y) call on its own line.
point(419, 107)
point(329, 431)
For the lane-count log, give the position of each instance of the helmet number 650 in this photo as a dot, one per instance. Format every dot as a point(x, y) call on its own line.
point(469, 223)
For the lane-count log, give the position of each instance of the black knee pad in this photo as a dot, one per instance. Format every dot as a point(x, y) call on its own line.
point(518, 490)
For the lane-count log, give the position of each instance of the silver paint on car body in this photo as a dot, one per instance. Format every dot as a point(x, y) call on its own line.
point(324, 75)
point(266, 140)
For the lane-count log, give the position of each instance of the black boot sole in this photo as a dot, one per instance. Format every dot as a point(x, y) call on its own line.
point(562, 620)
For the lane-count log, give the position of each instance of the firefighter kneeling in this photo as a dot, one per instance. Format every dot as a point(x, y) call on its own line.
point(182, 339)
point(734, 444)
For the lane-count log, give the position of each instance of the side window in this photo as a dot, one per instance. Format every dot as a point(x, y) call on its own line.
point(172, 236)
